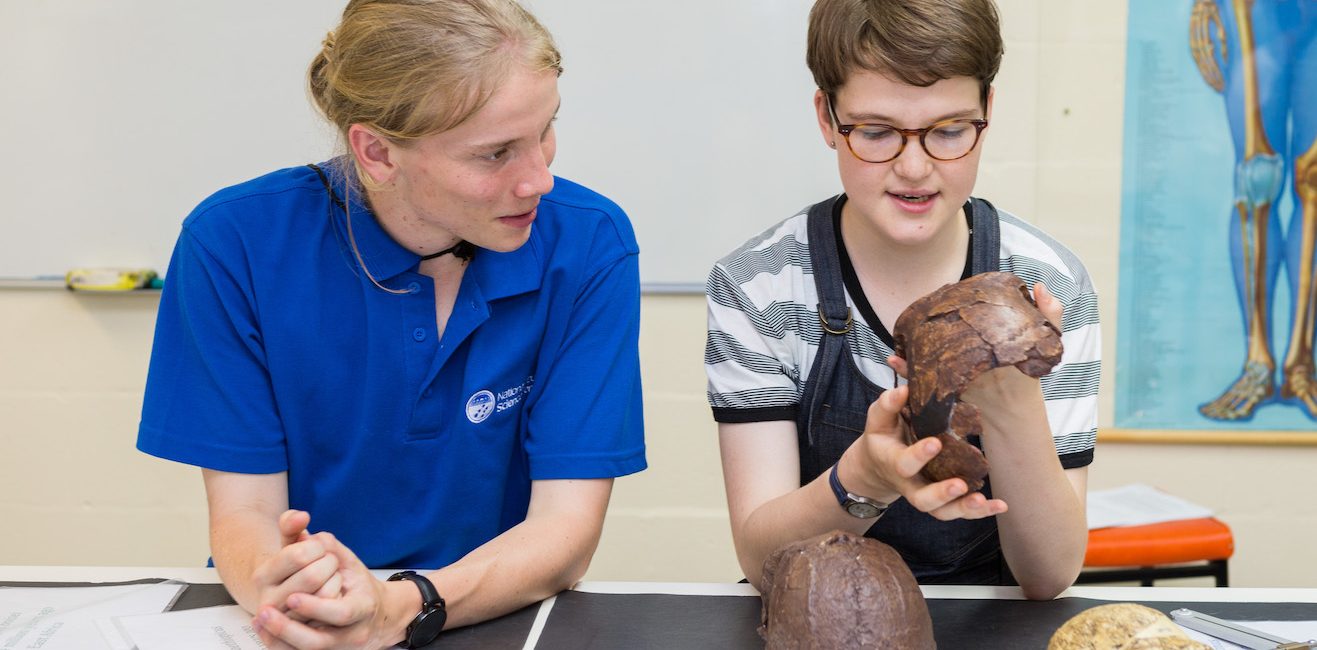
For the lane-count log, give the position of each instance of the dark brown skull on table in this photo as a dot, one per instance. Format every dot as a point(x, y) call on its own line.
point(950, 337)
point(840, 590)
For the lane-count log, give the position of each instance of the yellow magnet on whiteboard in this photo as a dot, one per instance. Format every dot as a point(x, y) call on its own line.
point(109, 279)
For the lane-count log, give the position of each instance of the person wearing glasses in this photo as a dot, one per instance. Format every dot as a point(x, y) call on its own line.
point(422, 354)
point(801, 375)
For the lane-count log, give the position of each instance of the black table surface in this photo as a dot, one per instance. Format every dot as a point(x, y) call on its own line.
point(585, 620)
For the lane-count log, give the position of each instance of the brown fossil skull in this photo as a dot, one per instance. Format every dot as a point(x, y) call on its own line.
point(950, 337)
point(840, 590)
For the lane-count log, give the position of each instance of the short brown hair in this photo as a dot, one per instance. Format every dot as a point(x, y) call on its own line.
point(913, 41)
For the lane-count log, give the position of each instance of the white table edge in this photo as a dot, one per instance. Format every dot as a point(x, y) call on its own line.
point(202, 575)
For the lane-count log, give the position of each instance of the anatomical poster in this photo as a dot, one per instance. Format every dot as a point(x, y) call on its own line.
point(1218, 287)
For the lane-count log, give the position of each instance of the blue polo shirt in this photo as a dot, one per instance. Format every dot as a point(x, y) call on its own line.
point(273, 352)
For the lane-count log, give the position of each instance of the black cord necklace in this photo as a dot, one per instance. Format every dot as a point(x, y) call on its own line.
point(463, 250)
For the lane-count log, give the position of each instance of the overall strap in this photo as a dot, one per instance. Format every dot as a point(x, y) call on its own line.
point(833, 313)
point(986, 251)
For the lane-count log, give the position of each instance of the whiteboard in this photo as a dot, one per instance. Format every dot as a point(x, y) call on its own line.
point(696, 116)
point(121, 116)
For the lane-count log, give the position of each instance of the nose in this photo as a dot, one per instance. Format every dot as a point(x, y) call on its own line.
point(913, 162)
point(537, 179)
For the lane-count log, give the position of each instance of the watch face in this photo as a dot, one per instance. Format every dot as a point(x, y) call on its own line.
point(426, 627)
point(863, 510)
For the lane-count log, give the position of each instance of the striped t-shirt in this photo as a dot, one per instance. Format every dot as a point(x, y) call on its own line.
point(764, 330)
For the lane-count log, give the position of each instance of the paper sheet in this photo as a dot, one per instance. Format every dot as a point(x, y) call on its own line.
point(221, 628)
point(1291, 630)
point(64, 618)
point(1138, 504)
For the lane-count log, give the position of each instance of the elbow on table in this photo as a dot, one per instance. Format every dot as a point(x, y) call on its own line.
point(752, 565)
point(557, 580)
point(752, 577)
point(1042, 593)
point(574, 566)
point(1046, 587)
point(573, 572)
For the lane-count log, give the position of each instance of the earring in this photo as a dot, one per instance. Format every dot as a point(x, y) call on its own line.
point(833, 144)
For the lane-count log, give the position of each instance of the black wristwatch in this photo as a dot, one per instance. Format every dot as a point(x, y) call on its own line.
point(854, 504)
point(427, 625)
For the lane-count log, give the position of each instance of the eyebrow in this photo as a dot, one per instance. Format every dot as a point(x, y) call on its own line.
point(507, 143)
point(870, 118)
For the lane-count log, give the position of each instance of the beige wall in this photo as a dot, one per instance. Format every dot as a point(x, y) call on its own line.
point(74, 491)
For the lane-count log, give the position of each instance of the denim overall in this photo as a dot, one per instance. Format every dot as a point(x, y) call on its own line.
point(836, 402)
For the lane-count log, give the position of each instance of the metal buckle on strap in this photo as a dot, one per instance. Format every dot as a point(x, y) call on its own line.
point(823, 320)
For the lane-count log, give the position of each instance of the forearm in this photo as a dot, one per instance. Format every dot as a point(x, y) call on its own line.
point(1043, 534)
point(246, 511)
point(799, 514)
point(769, 509)
point(541, 556)
point(239, 542)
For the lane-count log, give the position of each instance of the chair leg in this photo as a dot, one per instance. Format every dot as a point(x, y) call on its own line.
point(1221, 571)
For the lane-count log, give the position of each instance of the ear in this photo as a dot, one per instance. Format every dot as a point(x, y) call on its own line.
point(821, 112)
point(373, 153)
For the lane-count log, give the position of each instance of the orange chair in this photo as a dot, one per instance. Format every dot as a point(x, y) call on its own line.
point(1173, 549)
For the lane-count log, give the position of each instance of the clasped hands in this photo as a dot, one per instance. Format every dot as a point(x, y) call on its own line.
point(315, 593)
point(887, 467)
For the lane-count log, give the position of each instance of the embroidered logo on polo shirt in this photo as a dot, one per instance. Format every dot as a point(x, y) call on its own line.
point(485, 403)
point(511, 397)
point(480, 406)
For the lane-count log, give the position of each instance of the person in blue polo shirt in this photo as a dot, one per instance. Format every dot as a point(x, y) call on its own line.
point(427, 346)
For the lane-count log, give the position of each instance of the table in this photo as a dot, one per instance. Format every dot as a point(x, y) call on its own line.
point(712, 615)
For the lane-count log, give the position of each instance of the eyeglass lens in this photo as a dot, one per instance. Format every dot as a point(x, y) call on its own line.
point(946, 141)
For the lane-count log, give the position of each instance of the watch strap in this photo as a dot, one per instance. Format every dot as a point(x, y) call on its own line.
point(434, 613)
point(837, 489)
point(854, 504)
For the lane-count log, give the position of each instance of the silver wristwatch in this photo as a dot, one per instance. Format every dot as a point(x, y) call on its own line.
point(854, 504)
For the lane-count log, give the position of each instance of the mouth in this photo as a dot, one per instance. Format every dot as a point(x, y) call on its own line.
point(520, 220)
point(915, 197)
